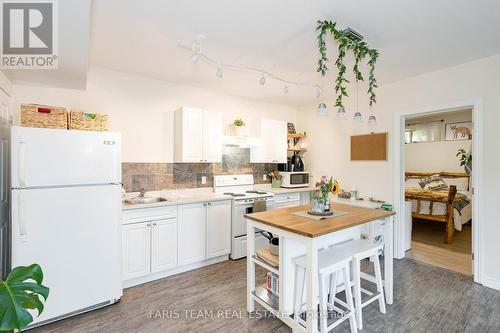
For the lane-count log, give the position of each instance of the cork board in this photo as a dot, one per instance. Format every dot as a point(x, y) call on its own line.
point(369, 147)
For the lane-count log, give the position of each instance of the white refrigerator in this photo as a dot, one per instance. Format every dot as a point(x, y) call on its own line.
point(66, 215)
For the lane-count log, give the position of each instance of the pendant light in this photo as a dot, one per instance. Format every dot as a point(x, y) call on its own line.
point(340, 113)
point(358, 117)
point(322, 110)
point(372, 120)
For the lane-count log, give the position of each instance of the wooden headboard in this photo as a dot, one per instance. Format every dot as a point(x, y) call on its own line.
point(444, 174)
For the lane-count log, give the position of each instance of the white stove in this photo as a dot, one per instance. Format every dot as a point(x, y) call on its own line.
point(240, 188)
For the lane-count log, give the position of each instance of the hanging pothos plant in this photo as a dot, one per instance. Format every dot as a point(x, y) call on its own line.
point(360, 50)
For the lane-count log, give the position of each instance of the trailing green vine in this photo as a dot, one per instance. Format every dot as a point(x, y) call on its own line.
point(360, 49)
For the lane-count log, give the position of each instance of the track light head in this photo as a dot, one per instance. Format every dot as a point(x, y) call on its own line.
point(262, 80)
point(219, 72)
point(285, 89)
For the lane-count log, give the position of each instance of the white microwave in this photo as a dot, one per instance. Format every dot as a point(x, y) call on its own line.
point(294, 179)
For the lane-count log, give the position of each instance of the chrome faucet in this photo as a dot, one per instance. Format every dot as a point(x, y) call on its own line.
point(143, 192)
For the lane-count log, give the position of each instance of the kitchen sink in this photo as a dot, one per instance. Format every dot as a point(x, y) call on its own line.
point(142, 200)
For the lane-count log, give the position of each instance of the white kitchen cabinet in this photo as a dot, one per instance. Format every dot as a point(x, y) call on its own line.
point(212, 136)
point(191, 231)
point(198, 135)
point(163, 245)
point(287, 200)
point(273, 134)
point(218, 228)
point(305, 198)
point(136, 244)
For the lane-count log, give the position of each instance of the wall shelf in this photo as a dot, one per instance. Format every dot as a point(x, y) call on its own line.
point(296, 135)
point(295, 139)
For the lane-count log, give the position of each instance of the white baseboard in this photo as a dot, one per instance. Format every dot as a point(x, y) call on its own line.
point(490, 282)
point(174, 271)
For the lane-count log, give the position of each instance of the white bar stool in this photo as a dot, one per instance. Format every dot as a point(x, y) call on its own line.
point(363, 249)
point(331, 262)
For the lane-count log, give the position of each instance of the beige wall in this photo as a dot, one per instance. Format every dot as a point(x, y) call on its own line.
point(142, 109)
point(5, 84)
point(478, 79)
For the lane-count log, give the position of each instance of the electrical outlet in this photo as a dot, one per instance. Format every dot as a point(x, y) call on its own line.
point(264, 177)
point(203, 179)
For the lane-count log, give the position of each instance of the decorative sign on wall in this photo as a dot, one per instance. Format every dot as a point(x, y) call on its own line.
point(459, 131)
point(369, 147)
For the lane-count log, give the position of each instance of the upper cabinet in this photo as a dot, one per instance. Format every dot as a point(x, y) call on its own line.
point(274, 143)
point(198, 135)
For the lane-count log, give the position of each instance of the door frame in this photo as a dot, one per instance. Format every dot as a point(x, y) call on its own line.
point(477, 175)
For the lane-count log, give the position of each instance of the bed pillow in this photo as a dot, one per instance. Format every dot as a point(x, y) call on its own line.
point(433, 183)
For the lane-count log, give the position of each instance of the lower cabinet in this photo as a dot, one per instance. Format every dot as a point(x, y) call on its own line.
point(218, 228)
point(136, 246)
point(149, 247)
point(204, 231)
point(163, 245)
point(158, 239)
point(192, 222)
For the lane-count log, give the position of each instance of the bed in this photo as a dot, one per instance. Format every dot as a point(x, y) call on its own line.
point(452, 206)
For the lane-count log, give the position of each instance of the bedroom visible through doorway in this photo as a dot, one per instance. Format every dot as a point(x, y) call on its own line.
point(438, 188)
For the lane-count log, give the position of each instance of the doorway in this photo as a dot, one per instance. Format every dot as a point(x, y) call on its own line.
point(439, 230)
point(425, 245)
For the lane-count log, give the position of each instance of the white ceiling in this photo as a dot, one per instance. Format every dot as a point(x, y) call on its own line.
point(413, 37)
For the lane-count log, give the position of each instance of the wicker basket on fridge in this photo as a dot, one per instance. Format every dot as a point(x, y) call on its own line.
point(88, 121)
point(34, 115)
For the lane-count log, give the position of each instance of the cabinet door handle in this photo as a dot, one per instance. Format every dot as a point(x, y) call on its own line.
point(149, 224)
point(154, 223)
point(204, 204)
point(210, 204)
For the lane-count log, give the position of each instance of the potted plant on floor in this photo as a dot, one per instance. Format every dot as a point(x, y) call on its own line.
point(465, 160)
point(21, 291)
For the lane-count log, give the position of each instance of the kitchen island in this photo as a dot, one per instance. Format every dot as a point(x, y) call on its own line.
point(304, 236)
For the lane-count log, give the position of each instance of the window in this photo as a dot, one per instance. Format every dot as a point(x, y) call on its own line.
point(423, 132)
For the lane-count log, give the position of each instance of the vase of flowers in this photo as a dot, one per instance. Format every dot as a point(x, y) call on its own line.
point(320, 202)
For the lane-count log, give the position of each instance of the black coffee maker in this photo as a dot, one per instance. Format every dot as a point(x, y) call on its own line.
point(296, 163)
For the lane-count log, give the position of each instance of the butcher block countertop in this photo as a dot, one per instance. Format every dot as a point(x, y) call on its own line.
point(283, 219)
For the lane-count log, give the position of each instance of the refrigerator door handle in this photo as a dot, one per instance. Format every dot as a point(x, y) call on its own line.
point(23, 228)
point(22, 164)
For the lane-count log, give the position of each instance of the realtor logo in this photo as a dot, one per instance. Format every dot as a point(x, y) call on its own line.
point(29, 34)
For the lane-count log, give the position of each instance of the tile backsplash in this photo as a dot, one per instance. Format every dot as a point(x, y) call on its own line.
point(158, 176)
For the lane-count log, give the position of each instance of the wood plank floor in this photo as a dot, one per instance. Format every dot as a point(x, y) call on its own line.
point(428, 246)
point(427, 299)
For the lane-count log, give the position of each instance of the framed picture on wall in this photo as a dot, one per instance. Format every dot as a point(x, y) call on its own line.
point(459, 131)
point(291, 128)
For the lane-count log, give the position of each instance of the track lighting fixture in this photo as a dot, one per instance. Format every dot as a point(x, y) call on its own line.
point(197, 54)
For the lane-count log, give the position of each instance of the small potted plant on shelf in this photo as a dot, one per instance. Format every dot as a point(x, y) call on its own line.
point(275, 179)
point(465, 160)
point(238, 127)
point(21, 292)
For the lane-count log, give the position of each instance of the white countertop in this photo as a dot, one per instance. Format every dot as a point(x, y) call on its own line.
point(176, 197)
point(268, 188)
point(360, 203)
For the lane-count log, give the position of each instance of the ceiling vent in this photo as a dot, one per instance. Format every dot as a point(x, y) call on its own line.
point(353, 35)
